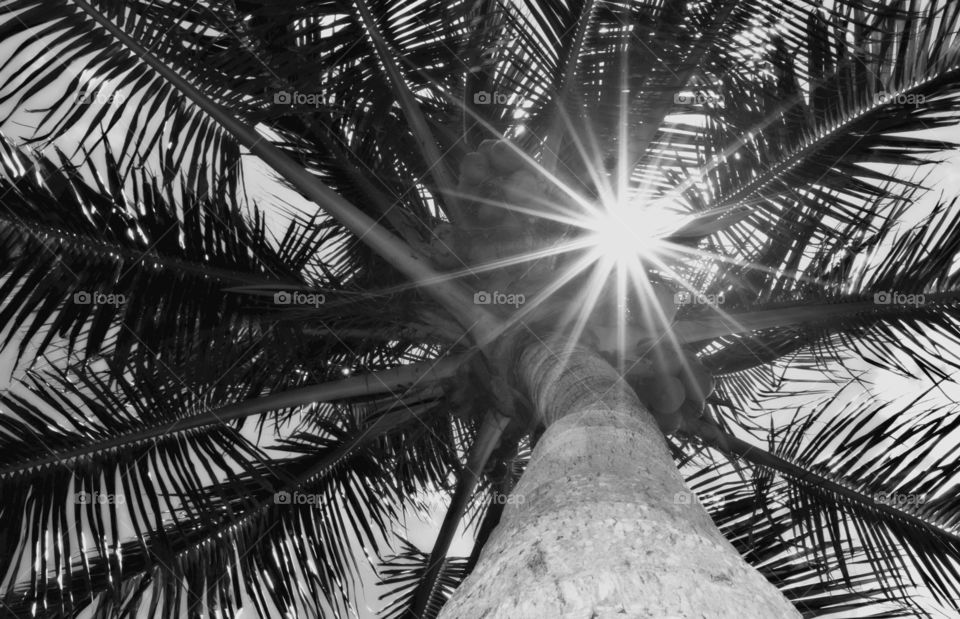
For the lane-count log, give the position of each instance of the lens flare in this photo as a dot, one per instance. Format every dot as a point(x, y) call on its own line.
point(626, 232)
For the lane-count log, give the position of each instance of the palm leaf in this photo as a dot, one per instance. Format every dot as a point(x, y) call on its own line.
point(843, 502)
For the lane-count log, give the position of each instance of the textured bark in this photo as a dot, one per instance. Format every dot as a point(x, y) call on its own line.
point(599, 525)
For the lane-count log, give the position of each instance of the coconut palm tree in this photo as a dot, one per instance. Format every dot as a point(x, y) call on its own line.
point(605, 274)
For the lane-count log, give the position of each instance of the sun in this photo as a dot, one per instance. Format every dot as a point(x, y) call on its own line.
point(625, 232)
point(616, 256)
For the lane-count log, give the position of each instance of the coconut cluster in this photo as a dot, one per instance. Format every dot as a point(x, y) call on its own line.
point(500, 195)
point(497, 173)
point(674, 385)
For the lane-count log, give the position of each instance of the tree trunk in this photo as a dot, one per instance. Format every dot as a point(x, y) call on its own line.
point(601, 524)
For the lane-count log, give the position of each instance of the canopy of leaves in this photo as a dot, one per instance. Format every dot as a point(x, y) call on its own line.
point(791, 132)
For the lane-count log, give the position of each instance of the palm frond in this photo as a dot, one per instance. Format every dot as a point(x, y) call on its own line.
point(345, 461)
point(107, 85)
point(407, 570)
point(138, 273)
point(859, 514)
point(854, 81)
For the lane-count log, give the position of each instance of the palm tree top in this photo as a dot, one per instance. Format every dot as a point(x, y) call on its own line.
point(738, 184)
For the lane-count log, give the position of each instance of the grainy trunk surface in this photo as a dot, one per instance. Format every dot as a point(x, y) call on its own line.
point(604, 529)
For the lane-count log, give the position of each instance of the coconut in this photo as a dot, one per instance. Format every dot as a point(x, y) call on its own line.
point(691, 409)
point(663, 296)
point(662, 393)
point(521, 188)
point(706, 415)
point(666, 394)
point(474, 169)
point(603, 336)
point(486, 149)
point(504, 158)
point(488, 214)
point(539, 270)
point(669, 424)
point(697, 379)
point(482, 253)
point(445, 245)
point(638, 370)
point(500, 280)
point(666, 358)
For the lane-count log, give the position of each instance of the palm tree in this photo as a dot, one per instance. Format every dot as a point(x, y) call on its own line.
point(215, 413)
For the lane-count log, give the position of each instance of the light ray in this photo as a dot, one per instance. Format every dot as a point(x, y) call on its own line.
point(620, 237)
